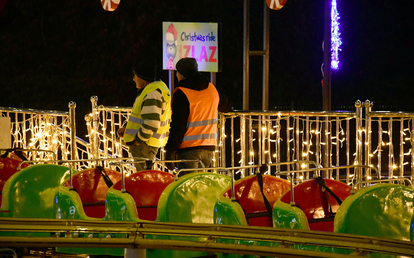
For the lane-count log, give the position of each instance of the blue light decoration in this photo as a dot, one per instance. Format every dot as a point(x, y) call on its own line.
point(335, 39)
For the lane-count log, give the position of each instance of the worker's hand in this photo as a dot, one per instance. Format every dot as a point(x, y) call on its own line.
point(120, 132)
point(169, 156)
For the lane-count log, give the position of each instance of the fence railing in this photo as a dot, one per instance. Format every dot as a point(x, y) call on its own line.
point(331, 139)
point(35, 129)
point(102, 125)
point(52, 133)
point(379, 139)
point(389, 138)
point(249, 137)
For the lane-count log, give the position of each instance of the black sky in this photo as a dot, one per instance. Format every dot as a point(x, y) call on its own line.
point(53, 52)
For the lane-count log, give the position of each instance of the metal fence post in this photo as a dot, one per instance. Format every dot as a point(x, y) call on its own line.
point(368, 107)
point(94, 135)
point(358, 139)
point(73, 147)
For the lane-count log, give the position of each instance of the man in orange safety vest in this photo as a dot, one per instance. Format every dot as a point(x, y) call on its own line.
point(195, 106)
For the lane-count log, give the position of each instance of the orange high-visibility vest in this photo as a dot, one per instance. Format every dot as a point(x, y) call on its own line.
point(202, 120)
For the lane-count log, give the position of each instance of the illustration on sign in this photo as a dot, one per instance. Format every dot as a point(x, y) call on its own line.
point(171, 47)
point(197, 40)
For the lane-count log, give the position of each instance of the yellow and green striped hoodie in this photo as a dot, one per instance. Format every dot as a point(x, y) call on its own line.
point(150, 119)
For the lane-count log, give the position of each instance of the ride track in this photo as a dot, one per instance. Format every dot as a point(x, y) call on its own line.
point(134, 237)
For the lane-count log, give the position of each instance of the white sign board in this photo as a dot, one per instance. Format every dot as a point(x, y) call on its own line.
point(5, 136)
point(197, 40)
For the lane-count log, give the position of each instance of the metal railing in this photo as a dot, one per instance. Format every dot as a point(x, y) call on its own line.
point(379, 139)
point(389, 142)
point(38, 129)
point(103, 124)
point(45, 135)
point(274, 137)
point(133, 235)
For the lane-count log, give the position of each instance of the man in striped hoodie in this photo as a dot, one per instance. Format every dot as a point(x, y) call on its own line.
point(148, 126)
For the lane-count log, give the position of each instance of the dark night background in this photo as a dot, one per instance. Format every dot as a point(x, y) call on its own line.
point(53, 52)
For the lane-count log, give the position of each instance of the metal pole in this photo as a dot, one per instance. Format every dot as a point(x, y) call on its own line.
point(94, 136)
point(246, 55)
point(326, 148)
point(223, 142)
point(327, 57)
point(233, 191)
point(368, 106)
point(243, 135)
point(171, 80)
point(72, 106)
point(213, 78)
point(359, 140)
point(266, 25)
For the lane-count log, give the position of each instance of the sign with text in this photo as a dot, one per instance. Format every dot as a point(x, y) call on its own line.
point(5, 135)
point(197, 40)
